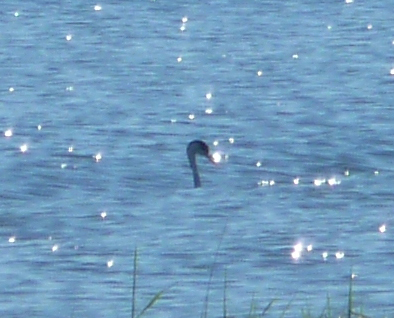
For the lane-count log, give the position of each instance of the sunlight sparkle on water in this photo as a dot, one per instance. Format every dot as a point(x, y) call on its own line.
point(98, 157)
point(16, 14)
point(297, 250)
point(333, 181)
point(298, 247)
point(23, 148)
point(259, 73)
point(392, 70)
point(208, 96)
point(369, 26)
point(295, 56)
point(217, 157)
point(231, 140)
point(39, 127)
point(296, 180)
point(183, 27)
point(110, 263)
point(258, 164)
point(63, 166)
point(339, 254)
point(382, 228)
point(216, 142)
point(324, 255)
point(70, 149)
point(69, 37)
point(179, 59)
point(11, 89)
point(184, 19)
point(296, 255)
point(264, 183)
point(191, 116)
point(208, 111)
point(8, 133)
point(11, 239)
point(97, 7)
point(348, 1)
point(55, 248)
point(319, 182)
point(103, 214)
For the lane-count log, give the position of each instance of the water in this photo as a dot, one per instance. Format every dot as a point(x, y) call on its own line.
point(127, 83)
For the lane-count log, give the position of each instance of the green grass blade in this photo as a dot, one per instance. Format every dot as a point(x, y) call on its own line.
point(268, 307)
point(154, 299)
point(225, 294)
point(329, 313)
point(252, 307)
point(287, 308)
point(359, 315)
point(134, 284)
point(151, 303)
point(306, 313)
point(204, 314)
point(350, 300)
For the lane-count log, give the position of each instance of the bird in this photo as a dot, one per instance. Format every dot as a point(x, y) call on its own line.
point(194, 148)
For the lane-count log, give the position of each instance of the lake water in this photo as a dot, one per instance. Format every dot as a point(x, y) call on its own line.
point(284, 90)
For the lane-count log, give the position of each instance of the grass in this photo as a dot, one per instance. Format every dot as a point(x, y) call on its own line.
point(152, 301)
point(204, 314)
point(254, 311)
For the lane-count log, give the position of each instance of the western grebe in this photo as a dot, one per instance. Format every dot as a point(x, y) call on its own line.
point(194, 148)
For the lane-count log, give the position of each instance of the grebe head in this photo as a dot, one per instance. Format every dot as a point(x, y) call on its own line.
point(197, 147)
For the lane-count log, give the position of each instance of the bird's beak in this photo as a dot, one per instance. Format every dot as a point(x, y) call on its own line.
point(211, 159)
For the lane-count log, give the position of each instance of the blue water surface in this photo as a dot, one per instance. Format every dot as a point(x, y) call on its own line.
point(97, 105)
